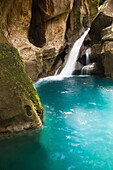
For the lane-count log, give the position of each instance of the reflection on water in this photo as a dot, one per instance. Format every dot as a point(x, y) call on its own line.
point(77, 131)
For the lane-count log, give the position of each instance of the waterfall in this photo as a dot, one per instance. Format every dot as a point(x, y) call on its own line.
point(57, 71)
point(82, 71)
point(71, 62)
point(88, 53)
point(85, 69)
point(72, 58)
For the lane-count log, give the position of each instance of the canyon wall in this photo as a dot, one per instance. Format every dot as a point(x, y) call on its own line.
point(20, 107)
point(101, 35)
point(82, 14)
point(41, 30)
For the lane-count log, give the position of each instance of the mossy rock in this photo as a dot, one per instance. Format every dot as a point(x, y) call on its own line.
point(17, 94)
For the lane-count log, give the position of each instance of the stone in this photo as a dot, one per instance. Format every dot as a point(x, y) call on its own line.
point(107, 50)
point(107, 34)
point(82, 14)
point(34, 27)
point(78, 68)
point(20, 106)
point(107, 53)
point(102, 38)
point(103, 19)
point(48, 22)
point(82, 59)
point(35, 31)
point(90, 69)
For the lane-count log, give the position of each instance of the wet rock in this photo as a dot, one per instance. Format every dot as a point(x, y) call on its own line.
point(20, 106)
point(90, 69)
point(78, 68)
point(82, 59)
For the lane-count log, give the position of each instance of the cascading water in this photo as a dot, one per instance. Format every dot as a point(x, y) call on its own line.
point(70, 65)
point(57, 71)
point(71, 62)
point(88, 53)
point(85, 69)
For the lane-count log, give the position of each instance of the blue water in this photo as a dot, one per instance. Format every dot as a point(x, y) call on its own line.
point(77, 131)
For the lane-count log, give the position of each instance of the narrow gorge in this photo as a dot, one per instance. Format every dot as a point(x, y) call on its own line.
point(63, 51)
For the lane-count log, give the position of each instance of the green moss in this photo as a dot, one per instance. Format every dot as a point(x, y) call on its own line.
point(13, 74)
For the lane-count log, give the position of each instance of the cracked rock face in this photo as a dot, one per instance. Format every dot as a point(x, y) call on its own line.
point(102, 37)
point(82, 14)
point(35, 27)
point(46, 29)
point(16, 27)
point(107, 50)
point(20, 107)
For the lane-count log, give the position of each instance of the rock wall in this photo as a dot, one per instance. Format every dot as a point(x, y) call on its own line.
point(38, 30)
point(82, 14)
point(42, 31)
point(46, 28)
point(20, 107)
point(102, 38)
point(15, 27)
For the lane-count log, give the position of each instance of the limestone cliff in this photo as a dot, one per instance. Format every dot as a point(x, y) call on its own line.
point(40, 30)
point(20, 107)
point(45, 28)
point(82, 14)
point(102, 38)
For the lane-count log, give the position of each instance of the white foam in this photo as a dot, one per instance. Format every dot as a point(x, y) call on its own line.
point(73, 56)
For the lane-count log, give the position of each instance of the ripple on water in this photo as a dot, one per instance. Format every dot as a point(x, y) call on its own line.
point(67, 113)
point(77, 133)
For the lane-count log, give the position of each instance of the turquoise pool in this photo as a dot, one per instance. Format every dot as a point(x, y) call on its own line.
point(77, 132)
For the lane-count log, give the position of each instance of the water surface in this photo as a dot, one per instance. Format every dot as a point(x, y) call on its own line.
point(77, 131)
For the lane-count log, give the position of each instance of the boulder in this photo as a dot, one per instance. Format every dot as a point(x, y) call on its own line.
point(20, 106)
point(90, 69)
point(78, 68)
